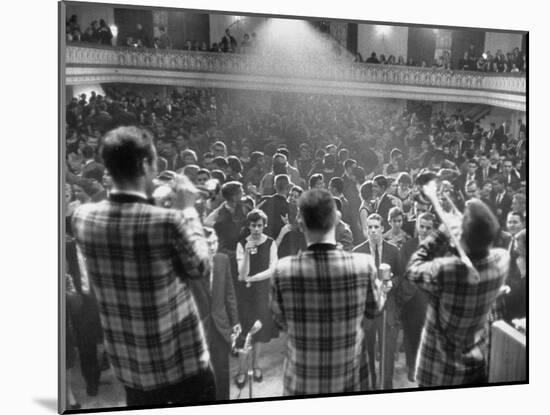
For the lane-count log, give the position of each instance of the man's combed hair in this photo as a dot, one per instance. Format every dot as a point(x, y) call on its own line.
point(123, 151)
point(318, 210)
point(317, 177)
point(230, 189)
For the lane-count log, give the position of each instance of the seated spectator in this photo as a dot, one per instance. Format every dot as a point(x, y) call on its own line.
point(104, 33)
point(164, 41)
point(372, 58)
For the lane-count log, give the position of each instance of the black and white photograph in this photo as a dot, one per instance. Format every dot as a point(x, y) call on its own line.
point(261, 206)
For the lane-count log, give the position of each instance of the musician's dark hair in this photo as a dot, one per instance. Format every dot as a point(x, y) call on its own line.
point(123, 151)
point(479, 228)
point(318, 210)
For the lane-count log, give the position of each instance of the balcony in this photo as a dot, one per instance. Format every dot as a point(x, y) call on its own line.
point(93, 64)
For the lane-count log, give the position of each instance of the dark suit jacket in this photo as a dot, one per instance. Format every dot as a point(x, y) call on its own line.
point(383, 208)
point(390, 256)
point(274, 207)
point(93, 170)
point(514, 180)
point(409, 226)
point(463, 179)
point(415, 301)
point(491, 172)
point(224, 302)
point(502, 208)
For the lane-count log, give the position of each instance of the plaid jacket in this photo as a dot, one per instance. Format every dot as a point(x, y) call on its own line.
point(320, 298)
point(453, 349)
point(138, 259)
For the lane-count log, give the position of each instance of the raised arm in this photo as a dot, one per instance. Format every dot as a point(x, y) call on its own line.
point(191, 245)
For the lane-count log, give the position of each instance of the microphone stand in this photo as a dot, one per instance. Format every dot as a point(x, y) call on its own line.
point(383, 351)
point(245, 350)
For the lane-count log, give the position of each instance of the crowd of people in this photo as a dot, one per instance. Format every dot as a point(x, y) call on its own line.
point(98, 33)
point(514, 61)
point(252, 166)
point(511, 62)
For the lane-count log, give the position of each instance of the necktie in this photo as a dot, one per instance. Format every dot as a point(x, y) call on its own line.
point(377, 256)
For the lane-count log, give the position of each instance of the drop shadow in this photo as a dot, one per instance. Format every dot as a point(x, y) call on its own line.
point(47, 403)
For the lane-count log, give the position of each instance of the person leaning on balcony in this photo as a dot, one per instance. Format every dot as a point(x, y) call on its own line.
point(164, 41)
point(104, 33)
point(372, 58)
point(228, 42)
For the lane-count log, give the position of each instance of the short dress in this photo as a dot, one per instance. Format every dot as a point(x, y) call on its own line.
point(254, 302)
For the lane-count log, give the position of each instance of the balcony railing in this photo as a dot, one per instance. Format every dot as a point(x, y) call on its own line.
point(262, 65)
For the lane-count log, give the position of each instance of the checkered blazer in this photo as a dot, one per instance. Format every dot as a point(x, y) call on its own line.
point(138, 259)
point(453, 347)
point(320, 298)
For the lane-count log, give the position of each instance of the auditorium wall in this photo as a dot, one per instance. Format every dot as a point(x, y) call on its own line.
point(387, 40)
point(183, 26)
point(503, 41)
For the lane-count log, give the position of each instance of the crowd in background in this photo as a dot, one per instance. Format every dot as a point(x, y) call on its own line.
point(97, 32)
point(514, 61)
point(366, 154)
